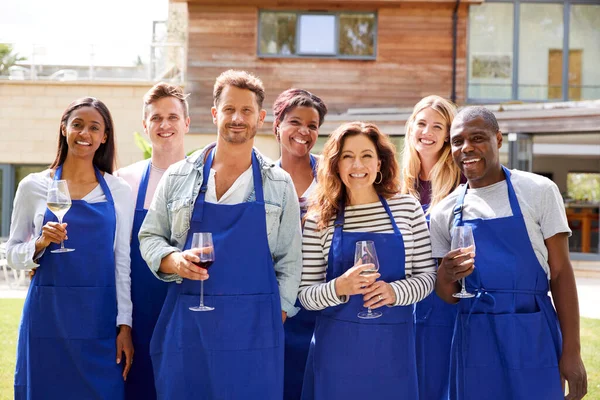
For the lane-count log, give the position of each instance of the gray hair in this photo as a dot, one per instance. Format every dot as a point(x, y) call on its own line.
point(473, 112)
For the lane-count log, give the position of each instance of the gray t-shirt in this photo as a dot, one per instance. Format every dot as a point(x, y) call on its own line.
point(540, 201)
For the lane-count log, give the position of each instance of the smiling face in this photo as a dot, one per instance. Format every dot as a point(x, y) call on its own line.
point(237, 115)
point(85, 132)
point(358, 164)
point(475, 149)
point(429, 132)
point(165, 124)
point(299, 130)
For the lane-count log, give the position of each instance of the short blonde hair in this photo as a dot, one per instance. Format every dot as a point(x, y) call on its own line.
point(241, 80)
point(162, 90)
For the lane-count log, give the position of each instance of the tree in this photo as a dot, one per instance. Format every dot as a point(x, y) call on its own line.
point(8, 58)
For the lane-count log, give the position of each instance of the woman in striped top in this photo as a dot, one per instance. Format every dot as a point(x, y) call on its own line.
point(298, 114)
point(352, 358)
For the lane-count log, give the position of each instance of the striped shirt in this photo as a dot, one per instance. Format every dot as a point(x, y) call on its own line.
point(420, 269)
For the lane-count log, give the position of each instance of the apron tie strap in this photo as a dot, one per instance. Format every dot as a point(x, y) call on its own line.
point(490, 297)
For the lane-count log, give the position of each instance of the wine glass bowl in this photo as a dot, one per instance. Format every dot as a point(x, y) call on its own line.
point(203, 242)
point(58, 201)
point(462, 237)
point(365, 253)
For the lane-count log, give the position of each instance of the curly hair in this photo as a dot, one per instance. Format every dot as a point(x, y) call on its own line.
point(331, 192)
point(445, 175)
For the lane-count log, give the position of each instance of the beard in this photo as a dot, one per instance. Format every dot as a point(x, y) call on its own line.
point(238, 137)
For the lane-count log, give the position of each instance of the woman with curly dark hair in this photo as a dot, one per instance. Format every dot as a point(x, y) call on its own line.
point(357, 199)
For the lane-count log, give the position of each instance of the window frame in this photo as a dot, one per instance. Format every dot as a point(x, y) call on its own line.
point(516, 59)
point(336, 54)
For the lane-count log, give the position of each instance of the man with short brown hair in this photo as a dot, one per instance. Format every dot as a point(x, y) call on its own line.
point(232, 348)
point(165, 121)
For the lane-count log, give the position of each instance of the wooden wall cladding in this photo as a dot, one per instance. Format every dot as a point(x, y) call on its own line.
point(414, 59)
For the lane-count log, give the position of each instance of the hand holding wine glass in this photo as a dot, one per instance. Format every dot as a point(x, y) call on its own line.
point(203, 242)
point(462, 238)
point(58, 201)
point(365, 253)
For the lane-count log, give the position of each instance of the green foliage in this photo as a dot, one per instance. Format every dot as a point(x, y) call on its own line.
point(8, 58)
point(143, 145)
point(583, 186)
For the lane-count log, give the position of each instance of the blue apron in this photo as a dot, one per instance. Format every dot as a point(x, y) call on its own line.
point(235, 351)
point(507, 341)
point(148, 295)
point(298, 334)
point(67, 338)
point(434, 325)
point(352, 358)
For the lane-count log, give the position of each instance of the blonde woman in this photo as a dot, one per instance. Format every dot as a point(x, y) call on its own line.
point(429, 174)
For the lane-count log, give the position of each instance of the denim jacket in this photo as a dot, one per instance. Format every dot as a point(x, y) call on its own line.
point(167, 223)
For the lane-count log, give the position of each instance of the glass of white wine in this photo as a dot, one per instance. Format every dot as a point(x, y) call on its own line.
point(462, 237)
point(365, 253)
point(59, 202)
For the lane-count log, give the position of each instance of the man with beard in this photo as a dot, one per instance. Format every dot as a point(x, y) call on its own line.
point(509, 341)
point(235, 349)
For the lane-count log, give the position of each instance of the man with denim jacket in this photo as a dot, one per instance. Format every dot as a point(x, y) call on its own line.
point(235, 350)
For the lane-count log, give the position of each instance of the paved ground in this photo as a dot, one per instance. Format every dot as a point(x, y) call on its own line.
point(588, 288)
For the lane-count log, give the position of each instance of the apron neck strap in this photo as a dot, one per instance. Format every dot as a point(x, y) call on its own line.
point(99, 177)
point(256, 177)
point(313, 165)
point(141, 196)
point(512, 198)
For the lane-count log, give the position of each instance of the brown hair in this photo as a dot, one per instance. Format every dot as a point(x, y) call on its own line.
point(292, 98)
point(105, 156)
point(445, 175)
point(162, 90)
point(241, 80)
point(331, 191)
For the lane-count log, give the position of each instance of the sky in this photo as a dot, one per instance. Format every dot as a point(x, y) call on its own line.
point(63, 31)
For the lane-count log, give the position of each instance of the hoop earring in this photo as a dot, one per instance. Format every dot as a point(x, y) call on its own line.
point(380, 176)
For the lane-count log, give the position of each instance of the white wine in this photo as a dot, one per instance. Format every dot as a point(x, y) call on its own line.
point(59, 209)
point(368, 272)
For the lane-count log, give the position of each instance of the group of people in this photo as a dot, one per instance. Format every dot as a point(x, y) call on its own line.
point(284, 283)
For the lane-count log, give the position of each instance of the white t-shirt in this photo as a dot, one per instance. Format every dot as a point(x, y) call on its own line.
point(540, 201)
point(236, 194)
point(132, 174)
point(28, 217)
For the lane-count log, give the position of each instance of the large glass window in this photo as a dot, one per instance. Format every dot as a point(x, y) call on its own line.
point(524, 59)
point(540, 51)
point(491, 51)
point(584, 52)
point(343, 35)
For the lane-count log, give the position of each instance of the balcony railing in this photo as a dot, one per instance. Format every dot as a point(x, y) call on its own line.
point(90, 62)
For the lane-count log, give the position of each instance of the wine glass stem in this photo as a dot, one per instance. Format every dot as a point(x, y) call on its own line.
point(464, 289)
point(62, 242)
point(201, 293)
point(369, 310)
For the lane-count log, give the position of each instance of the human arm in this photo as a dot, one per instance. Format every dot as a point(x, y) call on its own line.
point(287, 253)
point(420, 267)
point(27, 242)
point(315, 292)
point(564, 293)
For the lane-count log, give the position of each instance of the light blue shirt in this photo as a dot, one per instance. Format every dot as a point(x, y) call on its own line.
point(167, 223)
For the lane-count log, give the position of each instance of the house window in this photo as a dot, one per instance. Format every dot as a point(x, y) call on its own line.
point(533, 50)
point(296, 34)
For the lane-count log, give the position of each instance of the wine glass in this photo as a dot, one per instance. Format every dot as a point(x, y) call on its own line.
point(58, 201)
point(462, 236)
point(204, 242)
point(365, 253)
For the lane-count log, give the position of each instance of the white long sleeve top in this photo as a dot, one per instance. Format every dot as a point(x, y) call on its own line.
point(27, 221)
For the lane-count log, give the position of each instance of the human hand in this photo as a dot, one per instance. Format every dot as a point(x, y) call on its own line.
point(456, 265)
point(183, 264)
point(352, 282)
point(379, 294)
point(572, 370)
point(52, 232)
point(125, 345)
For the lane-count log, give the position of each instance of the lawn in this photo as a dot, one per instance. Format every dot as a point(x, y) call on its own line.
point(10, 313)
